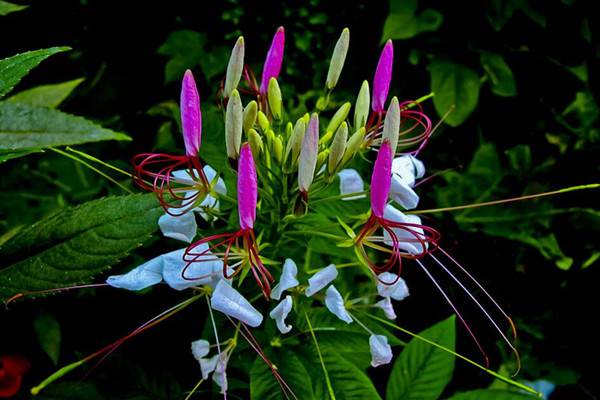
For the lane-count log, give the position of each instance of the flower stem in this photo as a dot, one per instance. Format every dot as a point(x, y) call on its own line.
point(327, 380)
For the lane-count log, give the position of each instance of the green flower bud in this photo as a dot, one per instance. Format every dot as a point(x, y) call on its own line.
point(235, 67)
point(340, 116)
point(250, 113)
point(391, 124)
point(274, 97)
point(361, 109)
point(263, 121)
point(338, 59)
point(278, 149)
point(289, 128)
point(338, 146)
point(256, 143)
point(292, 150)
point(233, 125)
point(353, 145)
point(270, 135)
point(322, 158)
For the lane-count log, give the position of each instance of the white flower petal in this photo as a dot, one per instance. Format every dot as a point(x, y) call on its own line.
point(321, 279)
point(182, 227)
point(419, 167)
point(208, 365)
point(182, 176)
point(408, 238)
point(200, 348)
point(381, 351)
point(209, 203)
point(287, 280)
point(351, 182)
point(280, 313)
point(210, 174)
point(141, 277)
point(230, 302)
point(220, 375)
point(386, 305)
point(390, 285)
point(335, 304)
point(208, 270)
point(403, 194)
point(403, 170)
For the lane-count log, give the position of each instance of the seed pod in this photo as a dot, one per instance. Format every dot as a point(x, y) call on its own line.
point(338, 146)
point(250, 113)
point(338, 59)
point(391, 124)
point(233, 125)
point(274, 97)
point(308, 154)
point(278, 149)
point(263, 121)
point(361, 109)
point(235, 67)
point(256, 143)
point(353, 145)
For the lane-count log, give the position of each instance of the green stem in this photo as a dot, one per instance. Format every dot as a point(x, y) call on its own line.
point(92, 158)
point(327, 380)
point(338, 197)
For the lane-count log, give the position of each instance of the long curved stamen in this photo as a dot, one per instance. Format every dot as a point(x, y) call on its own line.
point(483, 310)
point(458, 314)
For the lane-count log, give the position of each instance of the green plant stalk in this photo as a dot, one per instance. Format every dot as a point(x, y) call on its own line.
point(327, 380)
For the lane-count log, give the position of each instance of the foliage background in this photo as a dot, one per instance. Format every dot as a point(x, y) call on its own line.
point(539, 134)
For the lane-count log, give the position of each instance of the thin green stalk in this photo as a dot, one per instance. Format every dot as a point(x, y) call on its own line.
point(327, 380)
point(338, 197)
point(92, 158)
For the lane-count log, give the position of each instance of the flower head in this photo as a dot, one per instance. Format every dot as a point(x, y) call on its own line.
point(273, 61)
point(383, 77)
point(191, 116)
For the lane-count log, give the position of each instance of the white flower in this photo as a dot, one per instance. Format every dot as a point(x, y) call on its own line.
point(183, 227)
point(351, 182)
point(335, 304)
point(321, 279)
point(207, 365)
point(208, 270)
point(405, 170)
point(230, 302)
point(280, 313)
point(141, 277)
point(220, 373)
point(287, 280)
point(381, 352)
point(409, 237)
point(390, 285)
point(200, 348)
point(386, 305)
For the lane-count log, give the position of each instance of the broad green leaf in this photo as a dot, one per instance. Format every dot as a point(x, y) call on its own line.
point(49, 335)
point(488, 394)
point(50, 96)
point(349, 382)
point(500, 75)
point(76, 243)
point(25, 127)
point(422, 371)
point(9, 155)
point(456, 89)
point(264, 386)
point(7, 8)
point(14, 68)
point(403, 22)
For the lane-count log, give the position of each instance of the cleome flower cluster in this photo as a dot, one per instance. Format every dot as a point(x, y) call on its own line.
point(282, 166)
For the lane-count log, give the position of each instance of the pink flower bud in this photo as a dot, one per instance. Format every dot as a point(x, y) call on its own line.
point(381, 179)
point(191, 117)
point(273, 61)
point(247, 188)
point(383, 77)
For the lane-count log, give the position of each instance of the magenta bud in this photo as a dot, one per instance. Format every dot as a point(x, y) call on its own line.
point(383, 77)
point(191, 116)
point(273, 61)
point(247, 188)
point(381, 179)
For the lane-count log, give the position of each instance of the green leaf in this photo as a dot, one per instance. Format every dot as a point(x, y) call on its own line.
point(48, 333)
point(492, 395)
point(500, 75)
point(456, 89)
point(404, 23)
point(349, 382)
point(7, 8)
point(14, 68)
point(50, 96)
point(422, 371)
point(70, 391)
point(77, 243)
point(25, 127)
point(9, 155)
point(264, 386)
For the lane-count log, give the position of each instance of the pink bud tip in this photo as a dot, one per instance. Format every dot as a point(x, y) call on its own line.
point(273, 61)
point(247, 188)
point(383, 77)
point(191, 117)
point(381, 179)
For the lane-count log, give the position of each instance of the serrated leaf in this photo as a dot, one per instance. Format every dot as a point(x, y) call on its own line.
point(50, 96)
point(26, 127)
point(7, 8)
point(456, 88)
point(501, 77)
point(48, 332)
point(77, 243)
point(492, 395)
point(14, 68)
point(422, 371)
point(264, 386)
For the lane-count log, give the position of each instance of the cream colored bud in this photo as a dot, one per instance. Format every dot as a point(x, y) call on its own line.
point(308, 154)
point(292, 150)
point(233, 125)
point(353, 145)
point(250, 113)
point(235, 67)
point(361, 109)
point(338, 59)
point(340, 116)
point(256, 143)
point(274, 97)
point(338, 146)
point(391, 124)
